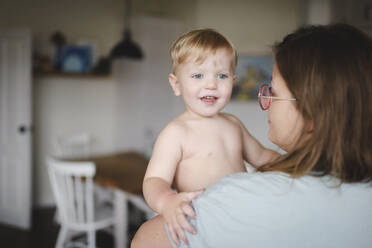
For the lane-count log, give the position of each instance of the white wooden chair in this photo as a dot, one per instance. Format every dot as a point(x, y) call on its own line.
point(79, 145)
point(72, 186)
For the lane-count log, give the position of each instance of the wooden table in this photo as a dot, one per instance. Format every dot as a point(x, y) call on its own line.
point(124, 172)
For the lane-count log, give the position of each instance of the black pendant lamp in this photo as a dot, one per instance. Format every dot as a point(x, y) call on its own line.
point(126, 48)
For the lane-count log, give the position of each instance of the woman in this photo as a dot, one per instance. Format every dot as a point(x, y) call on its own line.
point(319, 193)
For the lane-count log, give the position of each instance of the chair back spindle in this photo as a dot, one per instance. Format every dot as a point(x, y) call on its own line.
point(73, 187)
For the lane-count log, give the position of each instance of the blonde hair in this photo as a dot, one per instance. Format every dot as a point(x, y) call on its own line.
point(200, 42)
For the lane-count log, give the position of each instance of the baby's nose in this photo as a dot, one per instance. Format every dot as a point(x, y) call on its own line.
point(211, 84)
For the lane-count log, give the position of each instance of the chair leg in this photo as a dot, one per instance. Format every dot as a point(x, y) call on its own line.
point(61, 237)
point(121, 217)
point(92, 239)
point(56, 217)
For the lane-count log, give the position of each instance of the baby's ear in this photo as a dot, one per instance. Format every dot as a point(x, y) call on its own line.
point(175, 84)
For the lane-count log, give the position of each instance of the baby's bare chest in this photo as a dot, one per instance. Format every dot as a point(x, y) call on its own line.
point(213, 143)
point(208, 155)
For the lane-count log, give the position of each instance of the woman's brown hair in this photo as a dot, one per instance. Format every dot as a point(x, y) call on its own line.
point(328, 69)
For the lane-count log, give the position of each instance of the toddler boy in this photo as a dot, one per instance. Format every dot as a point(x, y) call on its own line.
point(202, 144)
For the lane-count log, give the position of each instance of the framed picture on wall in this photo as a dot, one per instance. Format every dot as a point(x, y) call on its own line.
point(251, 72)
point(76, 58)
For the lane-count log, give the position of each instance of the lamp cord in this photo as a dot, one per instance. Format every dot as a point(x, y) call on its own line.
point(127, 14)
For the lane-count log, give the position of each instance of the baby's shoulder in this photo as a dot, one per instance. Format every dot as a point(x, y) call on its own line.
point(232, 119)
point(175, 126)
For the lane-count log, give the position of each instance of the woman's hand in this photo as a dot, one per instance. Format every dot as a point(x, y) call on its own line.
point(175, 209)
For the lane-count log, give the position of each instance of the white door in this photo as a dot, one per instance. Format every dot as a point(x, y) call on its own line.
point(15, 126)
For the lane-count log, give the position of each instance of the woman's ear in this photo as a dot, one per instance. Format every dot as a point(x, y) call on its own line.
point(175, 84)
point(310, 127)
point(234, 78)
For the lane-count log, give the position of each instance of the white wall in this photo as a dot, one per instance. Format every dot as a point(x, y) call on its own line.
point(319, 12)
point(145, 98)
point(355, 12)
point(96, 21)
point(64, 106)
point(252, 26)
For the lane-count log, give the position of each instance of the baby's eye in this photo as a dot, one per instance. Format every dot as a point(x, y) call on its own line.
point(222, 76)
point(197, 75)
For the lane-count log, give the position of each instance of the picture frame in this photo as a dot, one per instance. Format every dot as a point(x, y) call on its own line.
point(251, 72)
point(76, 58)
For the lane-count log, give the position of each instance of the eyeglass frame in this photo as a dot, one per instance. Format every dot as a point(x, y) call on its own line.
point(271, 97)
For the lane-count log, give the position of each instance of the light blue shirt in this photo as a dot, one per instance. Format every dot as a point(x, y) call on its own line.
point(274, 210)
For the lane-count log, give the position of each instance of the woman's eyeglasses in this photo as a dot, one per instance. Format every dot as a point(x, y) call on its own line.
point(265, 97)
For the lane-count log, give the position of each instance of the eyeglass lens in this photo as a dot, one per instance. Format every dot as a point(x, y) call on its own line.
point(265, 91)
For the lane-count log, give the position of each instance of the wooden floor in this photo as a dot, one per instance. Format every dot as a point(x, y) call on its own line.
point(44, 231)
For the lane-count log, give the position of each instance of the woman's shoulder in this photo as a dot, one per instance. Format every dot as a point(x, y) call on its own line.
point(243, 208)
point(274, 187)
point(247, 181)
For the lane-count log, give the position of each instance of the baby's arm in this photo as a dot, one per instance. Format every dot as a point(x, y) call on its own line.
point(158, 180)
point(254, 153)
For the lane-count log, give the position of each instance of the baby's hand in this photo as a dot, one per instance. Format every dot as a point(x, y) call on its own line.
point(174, 211)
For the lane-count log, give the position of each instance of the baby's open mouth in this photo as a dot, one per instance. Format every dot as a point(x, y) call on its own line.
point(209, 98)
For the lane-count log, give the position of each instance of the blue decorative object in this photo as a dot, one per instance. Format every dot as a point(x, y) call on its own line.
point(76, 58)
